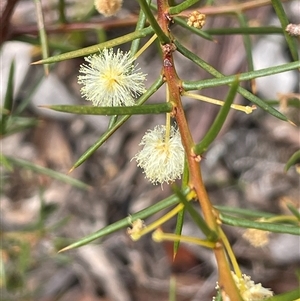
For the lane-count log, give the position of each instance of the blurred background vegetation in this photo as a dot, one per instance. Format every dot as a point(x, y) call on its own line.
point(43, 210)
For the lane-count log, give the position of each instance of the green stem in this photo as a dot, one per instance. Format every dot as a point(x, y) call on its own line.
point(154, 24)
point(292, 44)
point(182, 6)
point(247, 41)
point(139, 26)
point(198, 219)
point(218, 122)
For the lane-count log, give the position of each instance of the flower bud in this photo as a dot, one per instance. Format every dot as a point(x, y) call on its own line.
point(196, 19)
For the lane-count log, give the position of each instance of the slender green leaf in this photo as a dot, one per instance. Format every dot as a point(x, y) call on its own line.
point(139, 25)
point(112, 121)
point(155, 86)
point(256, 100)
point(222, 80)
point(128, 110)
point(225, 80)
point(62, 11)
point(48, 172)
point(182, 6)
point(245, 30)
point(293, 295)
point(215, 128)
point(155, 26)
point(242, 212)
point(125, 222)
point(198, 219)
point(7, 165)
point(291, 102)
point(9, 95)
point(271, 227)
point(294, 211)
point(247, 41)
point(52, 44)
point(18, 124)
point(292, 43)
point(178, 230)
point(293, 160)
point(95, 48)
point(8, 100)
point(42, 32)
point(180, 216)
point(30, 91)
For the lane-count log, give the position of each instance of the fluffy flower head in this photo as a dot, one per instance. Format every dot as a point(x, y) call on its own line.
point(108, 7)
point(161, 159)
point(111, 79)
point(249, 290)
point(257, 238)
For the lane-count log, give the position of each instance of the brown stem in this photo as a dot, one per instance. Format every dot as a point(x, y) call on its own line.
point(226, 281)
point(67, 28)
point(5, 20)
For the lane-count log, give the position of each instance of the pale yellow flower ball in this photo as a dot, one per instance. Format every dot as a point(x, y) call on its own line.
point(108, 7)
point(162, 157)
